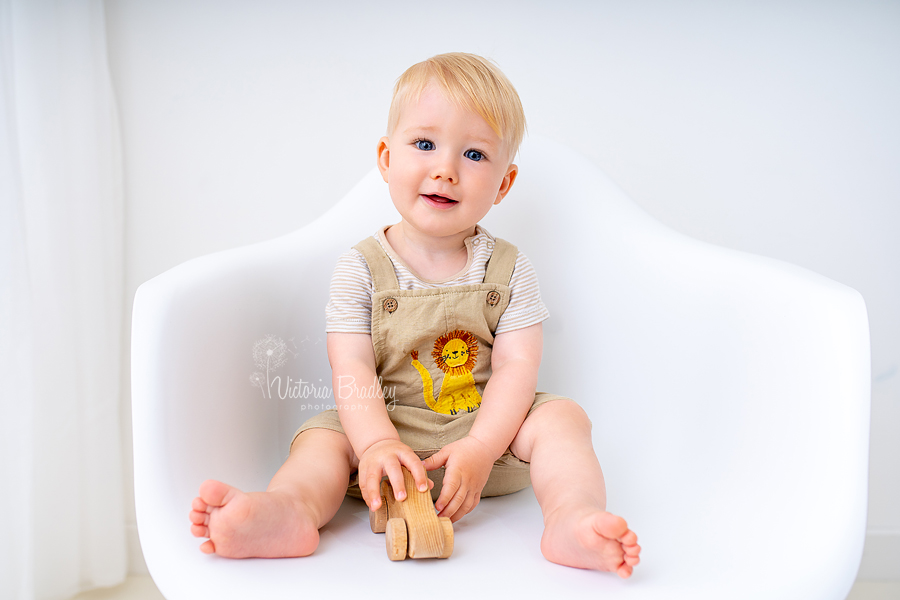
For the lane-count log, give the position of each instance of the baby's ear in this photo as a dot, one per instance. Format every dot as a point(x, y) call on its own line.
point(384, 157)
point(506, 184)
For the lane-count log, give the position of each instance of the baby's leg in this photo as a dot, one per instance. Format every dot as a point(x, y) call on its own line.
point(283, 521)
point(569, 485)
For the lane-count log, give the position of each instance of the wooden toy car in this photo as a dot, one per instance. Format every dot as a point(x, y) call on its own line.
point(412, 527)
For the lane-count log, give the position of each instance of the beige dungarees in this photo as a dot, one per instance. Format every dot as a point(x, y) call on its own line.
point(433, 354)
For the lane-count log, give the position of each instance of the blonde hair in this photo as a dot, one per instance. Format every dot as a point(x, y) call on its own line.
point(470, 82)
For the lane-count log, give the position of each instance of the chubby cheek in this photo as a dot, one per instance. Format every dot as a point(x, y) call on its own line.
point(404, 184)
point(489, 187)
point(400, 190)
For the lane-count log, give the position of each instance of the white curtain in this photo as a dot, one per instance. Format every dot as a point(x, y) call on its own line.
point(61, 286)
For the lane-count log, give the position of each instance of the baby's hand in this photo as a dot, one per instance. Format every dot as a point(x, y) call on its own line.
point(385, 458)
point(468, 462)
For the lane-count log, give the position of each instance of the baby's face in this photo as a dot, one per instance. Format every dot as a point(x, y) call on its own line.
point(445, 166)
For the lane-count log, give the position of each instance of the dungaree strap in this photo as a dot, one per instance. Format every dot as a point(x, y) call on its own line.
point(502, 262)
point(380, 265)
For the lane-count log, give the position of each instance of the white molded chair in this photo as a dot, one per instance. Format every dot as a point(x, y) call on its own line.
point(729, 395)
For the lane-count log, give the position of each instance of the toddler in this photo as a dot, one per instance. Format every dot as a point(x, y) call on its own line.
point(434, 338)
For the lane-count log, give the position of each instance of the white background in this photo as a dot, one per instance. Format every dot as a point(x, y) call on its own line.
point(769, 127)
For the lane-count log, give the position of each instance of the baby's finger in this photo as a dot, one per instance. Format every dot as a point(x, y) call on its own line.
point(448, 492)
point(417, 470)
point(456, 508)
point(468, 506)
point(395, 476)
point(371, 491)
point(436, 460)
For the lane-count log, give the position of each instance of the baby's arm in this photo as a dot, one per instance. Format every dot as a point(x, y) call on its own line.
point(508, 396)
point(365, 419)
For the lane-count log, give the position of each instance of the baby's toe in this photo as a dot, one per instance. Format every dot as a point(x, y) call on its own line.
point(629, 539)
point(208, 547)
point(215, 493)
point(199, 505)
point(610, 526)
point(200, 531)
point(199, 518)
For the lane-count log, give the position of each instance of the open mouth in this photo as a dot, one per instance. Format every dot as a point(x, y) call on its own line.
point(438, 199)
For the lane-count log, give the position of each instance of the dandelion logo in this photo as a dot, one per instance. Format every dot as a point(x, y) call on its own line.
point(258, 380)
point(269, 353)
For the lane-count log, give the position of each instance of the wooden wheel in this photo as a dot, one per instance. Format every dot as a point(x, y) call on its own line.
point(378, 518)
point(395, 539)
point(447, 526)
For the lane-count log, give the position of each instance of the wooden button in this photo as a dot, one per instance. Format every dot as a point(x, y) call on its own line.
point(390, 305)
point(493, 297)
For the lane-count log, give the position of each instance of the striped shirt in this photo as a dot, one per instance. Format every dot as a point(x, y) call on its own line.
point(349, 307)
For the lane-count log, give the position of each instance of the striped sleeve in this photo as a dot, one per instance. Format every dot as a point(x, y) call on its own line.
point(349, 308)
point(525, 305)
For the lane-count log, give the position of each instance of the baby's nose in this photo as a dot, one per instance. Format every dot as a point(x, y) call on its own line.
point(444, 168)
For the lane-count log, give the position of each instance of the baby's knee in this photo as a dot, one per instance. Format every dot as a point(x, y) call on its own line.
point(566, 413)
point(318, 440)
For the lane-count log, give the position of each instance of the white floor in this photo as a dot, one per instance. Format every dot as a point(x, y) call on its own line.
point(140, 587)
point(136, 587)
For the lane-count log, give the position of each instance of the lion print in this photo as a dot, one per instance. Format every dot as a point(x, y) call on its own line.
point(455, 354)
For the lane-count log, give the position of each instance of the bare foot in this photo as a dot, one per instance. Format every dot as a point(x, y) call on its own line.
point(590, 539)
point(258, 524)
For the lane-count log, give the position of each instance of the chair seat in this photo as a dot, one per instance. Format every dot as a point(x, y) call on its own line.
point(729, 395)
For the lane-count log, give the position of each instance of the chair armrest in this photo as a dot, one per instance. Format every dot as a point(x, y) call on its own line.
point(195, 413)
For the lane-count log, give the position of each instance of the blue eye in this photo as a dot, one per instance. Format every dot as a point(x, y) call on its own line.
point(424, 145)
point(474, 155)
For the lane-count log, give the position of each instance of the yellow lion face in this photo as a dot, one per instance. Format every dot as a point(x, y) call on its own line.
point(456, 350)
point(455, 353)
